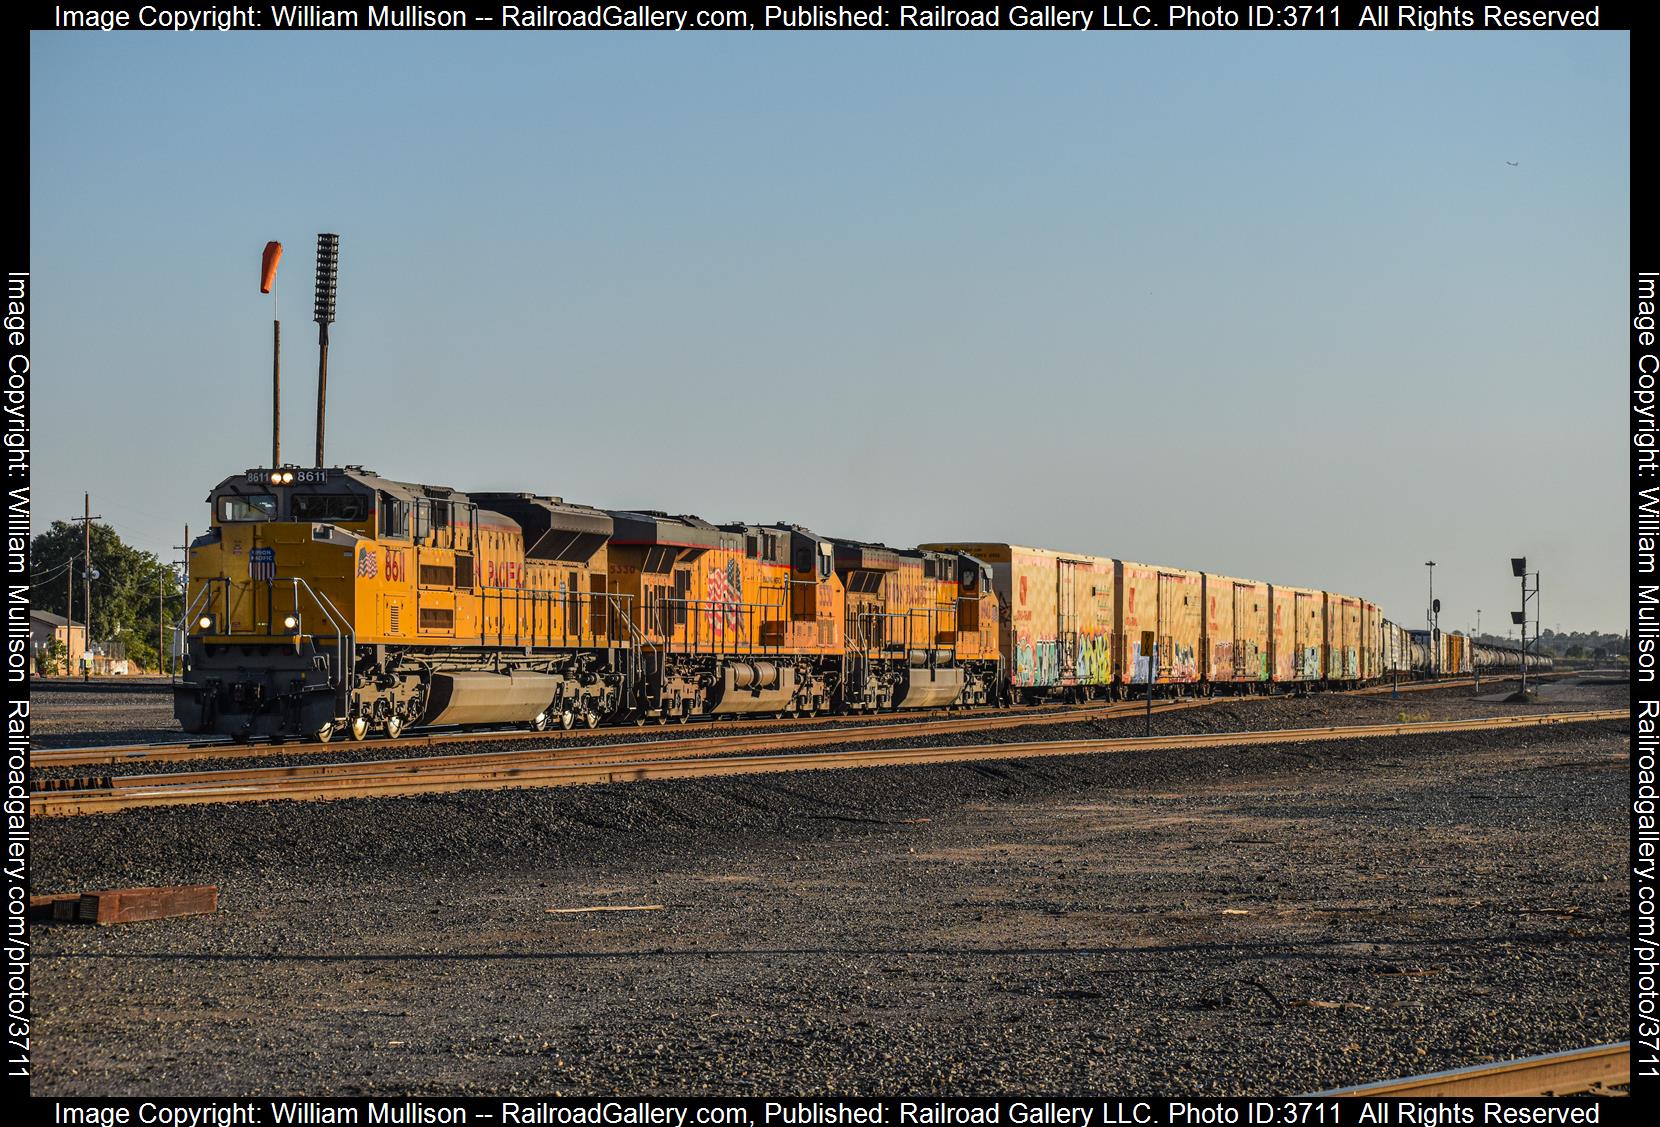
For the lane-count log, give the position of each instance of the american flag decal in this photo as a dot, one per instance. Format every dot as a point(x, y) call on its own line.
point(367, 564)
point(262, 563)
point(726, 591)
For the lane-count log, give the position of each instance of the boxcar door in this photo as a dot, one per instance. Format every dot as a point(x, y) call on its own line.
point(1241, 607)
point(1066, 617)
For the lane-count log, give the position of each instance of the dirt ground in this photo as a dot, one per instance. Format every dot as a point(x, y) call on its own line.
point(1239, 920)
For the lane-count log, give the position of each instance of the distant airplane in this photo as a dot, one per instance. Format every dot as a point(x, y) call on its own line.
point(1513, 164)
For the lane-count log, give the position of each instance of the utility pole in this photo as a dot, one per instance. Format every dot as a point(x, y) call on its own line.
point(184, 601)
point(86, 520)
point(69, 616)
point(185, 548)
point(161, 617)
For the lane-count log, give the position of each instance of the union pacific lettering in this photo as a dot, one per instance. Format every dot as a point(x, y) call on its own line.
point(507, 574)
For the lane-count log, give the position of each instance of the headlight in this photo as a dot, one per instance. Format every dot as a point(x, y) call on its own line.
point(205, 622)
point(291, 623)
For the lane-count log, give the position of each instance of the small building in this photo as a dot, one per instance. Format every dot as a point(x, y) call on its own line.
point(46, 628)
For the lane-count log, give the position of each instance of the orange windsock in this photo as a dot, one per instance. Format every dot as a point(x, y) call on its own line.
point(268, 265)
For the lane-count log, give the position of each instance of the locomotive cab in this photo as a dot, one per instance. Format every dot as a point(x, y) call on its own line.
point(271, 602)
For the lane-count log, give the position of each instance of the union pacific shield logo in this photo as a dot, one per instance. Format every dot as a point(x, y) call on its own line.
point(367, 564)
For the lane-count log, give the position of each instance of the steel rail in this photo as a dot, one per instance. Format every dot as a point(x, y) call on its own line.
point(428, 776)
point(1555, 1074)
point(739, 732)
point(682, 747)
point(230, 749)
point(1461, 681)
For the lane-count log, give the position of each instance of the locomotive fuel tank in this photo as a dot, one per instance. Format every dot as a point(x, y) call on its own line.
point(468, 697)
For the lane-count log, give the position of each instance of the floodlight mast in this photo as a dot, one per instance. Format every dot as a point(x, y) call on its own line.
point(328, 275)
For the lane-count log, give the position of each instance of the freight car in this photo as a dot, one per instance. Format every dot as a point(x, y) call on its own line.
point(335, 600)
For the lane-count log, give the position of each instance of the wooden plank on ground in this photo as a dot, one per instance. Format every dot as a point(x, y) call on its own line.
point(59, 906)
point(129, 905)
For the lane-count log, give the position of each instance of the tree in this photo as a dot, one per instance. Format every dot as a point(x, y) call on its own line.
point(52, 660)
point(123, 594)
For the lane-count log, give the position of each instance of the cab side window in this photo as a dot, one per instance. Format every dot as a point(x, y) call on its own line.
point(394, 517)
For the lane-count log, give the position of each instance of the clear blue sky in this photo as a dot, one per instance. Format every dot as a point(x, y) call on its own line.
point(1268, 304)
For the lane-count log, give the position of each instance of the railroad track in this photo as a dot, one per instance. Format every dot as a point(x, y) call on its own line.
point(674, 747)
point(232, 749)
point(1595, 1069)
point(675, 759)
point(185, 751)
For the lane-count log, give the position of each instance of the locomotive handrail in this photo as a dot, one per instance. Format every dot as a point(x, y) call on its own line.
point(637, 642)
point(859, 634)
point(195, 604)
point(730, 640)
point(585, 632)
point(204, 594)
point(345, 638)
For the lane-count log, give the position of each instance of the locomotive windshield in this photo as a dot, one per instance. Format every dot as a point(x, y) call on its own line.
point(235, 507)
point(258, 506)
point(333, 508)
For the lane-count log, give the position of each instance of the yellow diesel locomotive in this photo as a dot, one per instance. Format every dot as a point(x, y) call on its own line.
point(335, 600)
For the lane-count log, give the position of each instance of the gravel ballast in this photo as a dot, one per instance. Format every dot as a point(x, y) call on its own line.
point(1243, 920)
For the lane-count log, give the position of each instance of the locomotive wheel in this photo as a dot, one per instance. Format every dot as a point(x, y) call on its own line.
point(358, 728)
point(567, 719)
point(591, 718)
point(542, 721)
point(324, 734)
point(394, 727)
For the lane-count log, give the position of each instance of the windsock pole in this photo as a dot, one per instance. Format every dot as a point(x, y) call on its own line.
point(267, 278)
point(276, 392)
